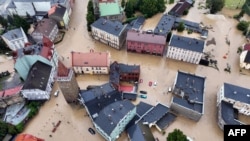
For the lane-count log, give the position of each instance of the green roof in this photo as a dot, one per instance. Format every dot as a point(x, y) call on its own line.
point(110, 8)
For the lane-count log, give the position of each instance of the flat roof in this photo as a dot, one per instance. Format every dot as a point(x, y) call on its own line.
point(187, 43)
point(227, 113)
point(109, 8)
point(189, 91)
point(237, 93)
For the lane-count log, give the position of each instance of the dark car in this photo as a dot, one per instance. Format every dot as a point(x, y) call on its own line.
point(143, 92)
point(92, 131)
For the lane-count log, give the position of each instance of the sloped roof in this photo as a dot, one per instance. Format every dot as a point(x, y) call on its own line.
point(27, 137)
point(57, 10)
point(45, 26)
point(247, 57)
point(227, 113)
point(11, 91)
point(14, 34)
point(180, 7)
point(155, 113)
point(140, 132)
point(142, 108)
point(62, 70)
point(165, 25)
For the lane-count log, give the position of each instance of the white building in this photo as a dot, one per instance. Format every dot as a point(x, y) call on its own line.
point(245, 59)
point(185, 49)
point(111, 33)
point(39, 82)
point(15, 39)
point(91, 63)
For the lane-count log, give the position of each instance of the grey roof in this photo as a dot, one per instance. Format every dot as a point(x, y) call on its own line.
point(60, 11)
point(155, 114)
point(13, 34)
point(165, 25)
point(187, 43)
point(30, 0)
point(142, 108)
point(111, 27)
point(237, 93)
point(45, 26)
point(189, 91)
point(140, 132)
point(137, 23)
point(166, 120)
point(227, 113)
point(129, 96)
point(112, 114)
point(38, 76)
point(247, 58)
point(11, 5)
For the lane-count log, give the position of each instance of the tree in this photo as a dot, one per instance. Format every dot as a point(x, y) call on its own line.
point(161, 5)
point(123, 3)
point(90, 18)
point(215, 5)
point(177, 135)
point(129, 10)
point(20, 22)
point(181, 27)
point(148, 7)
point(3, 22)
point(243, 25)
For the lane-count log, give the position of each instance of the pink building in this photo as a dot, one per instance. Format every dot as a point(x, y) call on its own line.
point(145, 43)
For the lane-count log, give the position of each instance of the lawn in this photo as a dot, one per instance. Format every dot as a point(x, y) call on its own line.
point(234, 4)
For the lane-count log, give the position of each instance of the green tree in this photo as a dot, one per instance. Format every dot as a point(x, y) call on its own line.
point(215, 5)
point(123, 3)
point(20, 127)
point(177, 135)
point(148, 7)
point(129, 10)
point(171, 1)
point(3, 47)
point(181, 27)
point(20, 22)
point(3, 129)
point(161, 5)
point(243, 25)
point(90, 18)
point(3, 22)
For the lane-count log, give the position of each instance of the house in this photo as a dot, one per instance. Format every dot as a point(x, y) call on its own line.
point(16, 113)
point(60, 14)
point(137, 23)
point(108, 112)
point(46, 27)
point(39, 82)
point(180, 7)
point(91, 63)
point(10, 96)
point(15, 39)
point(111, 11)
point(185, 49)
point(165, 25)
point(122, 72)
point(67, 83)
point(145, 43)
point(27, 137)
point(245, 59)
point(233, 105)
point(188, 95)
point(112, 33)
point(68, 4)
point(26, 57)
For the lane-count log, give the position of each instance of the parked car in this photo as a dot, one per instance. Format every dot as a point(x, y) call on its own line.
point(143, 96)
point(92, 131)
point(56, 93)
point(143, 92)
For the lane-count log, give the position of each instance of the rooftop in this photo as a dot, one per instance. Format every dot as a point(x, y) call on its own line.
point(62, 70)
point(91, 59)
point(237, 93)
point(38, 76)
point(112, 114)
point(57, 10)
point(111, 27)
point(137, 23)
point(142, 108)
point(189, 91)
point(180, 7)
point(11, 91)
point(45, 26)
point(109, 8)
point(247, 57)
point(227, 113)
point(165, 25)
point(145, 38)
point(166, 120)
point(14, 34)
point(187, 43)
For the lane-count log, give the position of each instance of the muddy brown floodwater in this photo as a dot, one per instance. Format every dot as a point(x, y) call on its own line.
point(75, 122)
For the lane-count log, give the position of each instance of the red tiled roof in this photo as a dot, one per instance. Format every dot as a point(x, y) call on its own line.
point(52, 10)
point(145, 38)
point(247, 47)
point(11, 91)
point(27, 137)
point(62, 70)
point(47, 49)
point(92, 59)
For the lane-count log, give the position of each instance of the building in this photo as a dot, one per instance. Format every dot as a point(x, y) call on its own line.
point(185, 49)
point(233, 105)
point(145, 43)
point(60, 14)
point(10, 96)
point(67, 83)
point(112, 33)
point(137, 23)
point(245, 59)
point(180, 7)
point(26, 57)
point(111, 10)
point(27, 137)
point(165, 25)
point(91, 63)
point(39, 82)
point(15, 39)
point(45, 27)
point(108, 112)
point(68, 4)
point(188, 95)
point(121, 72)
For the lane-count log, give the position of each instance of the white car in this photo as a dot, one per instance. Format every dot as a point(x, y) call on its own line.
point(56, 93)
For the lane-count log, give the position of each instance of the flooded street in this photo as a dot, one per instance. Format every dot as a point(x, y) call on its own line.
point(158, 69)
